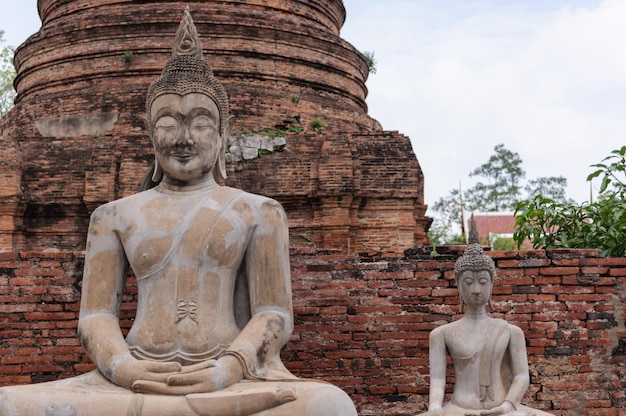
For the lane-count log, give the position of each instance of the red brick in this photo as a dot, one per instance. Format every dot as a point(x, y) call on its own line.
point(561, 271)
point(21, 281)
point(591, 297)
point(604, 412)
point(618, 272)
point(547, 280)
point(566, 262)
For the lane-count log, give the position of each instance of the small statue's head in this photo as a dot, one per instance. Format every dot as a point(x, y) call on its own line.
point(475, 259)
point(474, 273)
point(187, 111)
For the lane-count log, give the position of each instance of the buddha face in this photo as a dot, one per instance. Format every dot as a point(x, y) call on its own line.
point(475, 287)
point(186, 135)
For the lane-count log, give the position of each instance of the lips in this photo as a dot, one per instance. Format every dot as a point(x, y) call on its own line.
point(182, 154)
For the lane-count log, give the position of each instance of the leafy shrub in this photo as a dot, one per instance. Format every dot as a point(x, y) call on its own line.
point(318, 125)
point(600, 224)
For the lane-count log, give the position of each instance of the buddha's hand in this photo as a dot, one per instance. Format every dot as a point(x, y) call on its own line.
point(504, 408)
point(205, 377)
point(129, 371)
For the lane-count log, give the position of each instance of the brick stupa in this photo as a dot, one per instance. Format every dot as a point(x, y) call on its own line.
point(76, 137)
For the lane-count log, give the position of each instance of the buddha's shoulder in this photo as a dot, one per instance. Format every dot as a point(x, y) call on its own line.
point(241, 195)
point(442, 330)
point(128, 202)
point(257, 202)
point(506, 326)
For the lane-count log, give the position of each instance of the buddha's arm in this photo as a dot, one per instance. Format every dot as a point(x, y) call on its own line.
point(437, 362)
point(98, 326)
point(519, 370)
point(269, 282)
point(519, 367)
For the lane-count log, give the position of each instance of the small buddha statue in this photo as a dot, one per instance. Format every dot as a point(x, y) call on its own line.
point(212, 267)
point(488, 355)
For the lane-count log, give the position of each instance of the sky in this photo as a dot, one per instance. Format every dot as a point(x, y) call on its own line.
point(546, 78)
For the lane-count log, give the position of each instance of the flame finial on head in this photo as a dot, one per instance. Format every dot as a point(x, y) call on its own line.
point(187, 40)
point(473, 232)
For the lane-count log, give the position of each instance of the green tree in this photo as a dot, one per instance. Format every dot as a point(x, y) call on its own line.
point(7, 75)
point(601, 224)
point(448, 210)
point(500, 188)
point(552, 187)
point(503, 173)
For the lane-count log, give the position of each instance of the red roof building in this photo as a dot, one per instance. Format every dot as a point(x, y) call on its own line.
point(495, 229)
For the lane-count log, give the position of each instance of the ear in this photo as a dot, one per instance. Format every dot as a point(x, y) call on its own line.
point(148, 126)
point(157, 173)
point(221, 159)
point(458, 289)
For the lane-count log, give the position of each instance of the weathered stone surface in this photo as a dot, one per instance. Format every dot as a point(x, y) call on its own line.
point(250, 147)
point(77, 125)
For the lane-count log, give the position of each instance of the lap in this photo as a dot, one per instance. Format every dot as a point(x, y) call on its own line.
point(452, 410)
point(92, 394)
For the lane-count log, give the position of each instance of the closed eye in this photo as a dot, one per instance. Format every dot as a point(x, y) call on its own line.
point(203, 121)
point(167, 123)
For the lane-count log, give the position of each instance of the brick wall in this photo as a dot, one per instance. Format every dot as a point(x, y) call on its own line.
point(363, 324)
point(361, 193)
point(325, 182)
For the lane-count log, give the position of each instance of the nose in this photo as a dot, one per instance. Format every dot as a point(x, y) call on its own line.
point(183, 136)
point(475, 288)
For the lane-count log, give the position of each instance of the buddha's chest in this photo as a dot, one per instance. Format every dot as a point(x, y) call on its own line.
point(186, 234)
point(465, 342)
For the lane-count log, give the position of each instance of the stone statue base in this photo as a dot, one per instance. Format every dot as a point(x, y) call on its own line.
point(452, 410)
point(76, 397)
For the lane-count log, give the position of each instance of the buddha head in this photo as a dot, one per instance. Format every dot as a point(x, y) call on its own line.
point(187, 112)
point(474, 273)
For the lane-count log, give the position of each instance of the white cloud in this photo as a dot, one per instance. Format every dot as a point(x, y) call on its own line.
point(547, 79)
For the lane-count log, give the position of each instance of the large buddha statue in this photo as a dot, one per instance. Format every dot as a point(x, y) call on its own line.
point(212, 267)
point(488, 355)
